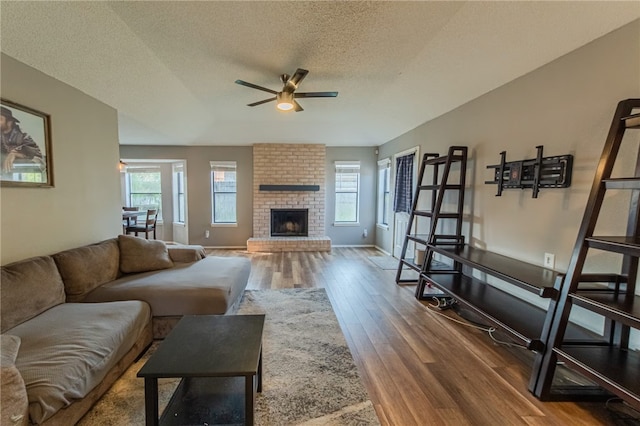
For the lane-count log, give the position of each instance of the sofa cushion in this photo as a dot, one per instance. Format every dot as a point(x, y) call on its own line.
point(68, 350)
point(186, 253)
point(28, 288)
point(206, 287)
point(13, 394)
point(140, 255)
point(85, 268)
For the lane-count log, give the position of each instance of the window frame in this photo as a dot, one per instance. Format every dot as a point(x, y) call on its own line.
point(223, 165)
point(139, 170)
point(384, 188)
point(347, 167)
point(179, 194)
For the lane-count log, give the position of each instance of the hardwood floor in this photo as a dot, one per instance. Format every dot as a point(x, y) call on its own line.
point(418, 367)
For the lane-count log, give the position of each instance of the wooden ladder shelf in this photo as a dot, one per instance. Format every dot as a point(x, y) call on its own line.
point(607, 361)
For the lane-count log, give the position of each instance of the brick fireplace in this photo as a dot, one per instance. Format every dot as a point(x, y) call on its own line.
point(288, 176)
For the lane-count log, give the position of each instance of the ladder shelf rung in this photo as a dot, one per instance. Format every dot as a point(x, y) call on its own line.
point(443, 159)
point(613, 368)
point(419, 238)
point(632, 121)
point(440, 215)
point(411, 264)
point(629, 245)
point(622, 183)
point(618, 306)
point(436, 187)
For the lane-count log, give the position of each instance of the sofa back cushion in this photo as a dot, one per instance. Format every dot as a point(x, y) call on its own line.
point(85, 268)
point(140, 255)
point(28, 288)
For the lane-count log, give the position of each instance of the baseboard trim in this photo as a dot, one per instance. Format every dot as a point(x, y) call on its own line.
point(227, 247)
point(384, 251)
point(354, 245)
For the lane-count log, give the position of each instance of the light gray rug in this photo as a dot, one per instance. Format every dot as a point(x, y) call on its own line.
point(385, 262)
point(309, 374)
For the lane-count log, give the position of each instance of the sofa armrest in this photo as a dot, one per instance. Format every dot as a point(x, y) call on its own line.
point(186, 253)
point(14, 405)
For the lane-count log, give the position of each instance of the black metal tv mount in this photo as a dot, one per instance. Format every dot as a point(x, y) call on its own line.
point(540, 172)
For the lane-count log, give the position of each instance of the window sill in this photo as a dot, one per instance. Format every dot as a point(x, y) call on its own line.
point(224, 225)
point(182, 224)
point(346, 224)
point(381, 226)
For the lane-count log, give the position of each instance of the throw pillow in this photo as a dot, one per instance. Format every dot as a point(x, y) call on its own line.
point(140, 255)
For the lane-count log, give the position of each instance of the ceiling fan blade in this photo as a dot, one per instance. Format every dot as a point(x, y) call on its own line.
point(316, 95)
point(261, 102)
point(297, 107)
point(294, 81)
point(255, 86)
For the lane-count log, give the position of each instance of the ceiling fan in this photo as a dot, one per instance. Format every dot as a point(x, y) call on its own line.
point(286, 99)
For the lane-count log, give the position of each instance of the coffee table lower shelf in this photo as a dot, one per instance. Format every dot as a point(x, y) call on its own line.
point(207, 400)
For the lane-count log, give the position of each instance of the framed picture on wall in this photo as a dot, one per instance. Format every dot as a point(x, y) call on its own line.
point(25, 156)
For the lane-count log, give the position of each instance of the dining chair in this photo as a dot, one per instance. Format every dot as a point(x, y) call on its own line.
point(148, 226)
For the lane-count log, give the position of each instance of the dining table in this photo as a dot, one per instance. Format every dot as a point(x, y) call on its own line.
point(128, 215)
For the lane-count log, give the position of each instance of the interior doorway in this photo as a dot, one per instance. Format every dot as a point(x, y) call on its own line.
point(401, 218)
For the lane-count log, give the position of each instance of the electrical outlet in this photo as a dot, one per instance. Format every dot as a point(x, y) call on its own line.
point(206, 233)
point(549, 260)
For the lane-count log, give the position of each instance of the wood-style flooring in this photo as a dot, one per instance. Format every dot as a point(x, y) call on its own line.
point(418, 367)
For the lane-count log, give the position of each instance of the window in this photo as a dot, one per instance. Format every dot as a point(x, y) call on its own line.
point(223, 192)
point(384, 184)
point(144, 188)
point(347, 189)
point(178, 194)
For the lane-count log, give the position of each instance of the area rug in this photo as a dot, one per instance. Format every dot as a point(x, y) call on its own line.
point(309, 377)
point(385, 262)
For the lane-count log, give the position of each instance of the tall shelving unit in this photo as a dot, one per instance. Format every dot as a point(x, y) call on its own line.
point(468, 274)
point(611, 294)
point(436, 178)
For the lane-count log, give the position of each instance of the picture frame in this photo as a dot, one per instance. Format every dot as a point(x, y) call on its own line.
point(25, 151)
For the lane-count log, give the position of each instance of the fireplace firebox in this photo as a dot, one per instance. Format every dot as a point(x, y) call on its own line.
point(289, 222)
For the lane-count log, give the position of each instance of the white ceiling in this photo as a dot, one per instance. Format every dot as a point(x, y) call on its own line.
point(169, 67)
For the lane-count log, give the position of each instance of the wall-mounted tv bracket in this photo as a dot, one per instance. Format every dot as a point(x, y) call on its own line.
point(540, 172)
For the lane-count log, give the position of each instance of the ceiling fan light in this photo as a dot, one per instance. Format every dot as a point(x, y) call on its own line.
point(284, 101)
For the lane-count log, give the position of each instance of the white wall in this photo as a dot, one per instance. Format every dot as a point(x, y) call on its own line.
point(84, 205)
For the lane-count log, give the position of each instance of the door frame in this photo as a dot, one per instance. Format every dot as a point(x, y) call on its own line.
point(395, 251)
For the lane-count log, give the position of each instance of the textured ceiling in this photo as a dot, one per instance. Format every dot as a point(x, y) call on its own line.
point(169, 67)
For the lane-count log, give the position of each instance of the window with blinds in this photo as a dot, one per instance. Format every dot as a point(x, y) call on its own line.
point(223, 192)
point(347, 192)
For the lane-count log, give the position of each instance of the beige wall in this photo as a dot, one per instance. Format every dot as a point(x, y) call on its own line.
point(566, 106)
point(199, 192)
point(353, 235)
point(198, 180)
point(84, 205)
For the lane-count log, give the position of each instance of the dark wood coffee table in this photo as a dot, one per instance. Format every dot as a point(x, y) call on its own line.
point(219, 358)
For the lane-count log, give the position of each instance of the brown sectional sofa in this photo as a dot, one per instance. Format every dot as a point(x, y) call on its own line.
point(72, 322)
